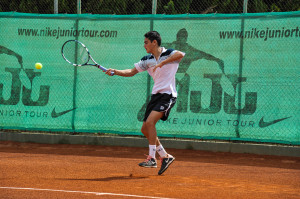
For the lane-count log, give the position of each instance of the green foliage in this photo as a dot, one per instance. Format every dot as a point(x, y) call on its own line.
point(135, 7)
point(275, 8)
point(145, 6)
point(182, 6)
point(13, 6)
point(67, 6)
point(294, 5)
point(170, 8)
point(229, 6)
point(257, 6)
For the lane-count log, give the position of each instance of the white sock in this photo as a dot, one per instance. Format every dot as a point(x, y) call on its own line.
point(161, 151)
point(152, 150)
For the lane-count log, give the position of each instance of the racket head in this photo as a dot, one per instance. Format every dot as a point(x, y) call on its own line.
point(75, 53)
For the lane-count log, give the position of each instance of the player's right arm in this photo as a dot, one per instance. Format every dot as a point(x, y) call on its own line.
point(123, 73)
point(142, 65)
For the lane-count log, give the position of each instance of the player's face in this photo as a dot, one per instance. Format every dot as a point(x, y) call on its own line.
point(148, 45)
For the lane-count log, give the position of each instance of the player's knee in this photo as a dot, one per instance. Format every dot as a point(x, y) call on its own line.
point(143, 129)
point(149, 124)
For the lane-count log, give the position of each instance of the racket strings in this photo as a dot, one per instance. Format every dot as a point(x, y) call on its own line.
point(75, 53)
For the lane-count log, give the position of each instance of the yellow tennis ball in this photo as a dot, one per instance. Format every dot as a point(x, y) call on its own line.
point(38, 66)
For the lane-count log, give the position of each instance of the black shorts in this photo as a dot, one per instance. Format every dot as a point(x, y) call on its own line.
point(160, 102)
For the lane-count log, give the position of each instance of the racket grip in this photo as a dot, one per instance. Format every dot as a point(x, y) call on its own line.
point(105, 69)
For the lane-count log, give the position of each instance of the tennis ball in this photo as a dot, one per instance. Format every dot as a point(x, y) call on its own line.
point(38, 66)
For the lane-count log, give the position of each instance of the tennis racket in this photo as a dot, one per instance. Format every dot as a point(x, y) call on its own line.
point(77, 54)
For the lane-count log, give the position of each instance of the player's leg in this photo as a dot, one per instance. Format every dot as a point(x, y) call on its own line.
point(159, 147)
point(145, 133)
point(158, 108)
point(166, 159)
point(149, 125)
point(149, 130)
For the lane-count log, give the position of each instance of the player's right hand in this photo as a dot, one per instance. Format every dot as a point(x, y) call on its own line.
point(109, 71)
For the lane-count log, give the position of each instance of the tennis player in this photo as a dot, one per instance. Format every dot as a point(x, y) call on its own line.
point(162, 65)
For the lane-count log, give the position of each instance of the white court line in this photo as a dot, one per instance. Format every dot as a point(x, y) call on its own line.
point(82, 192)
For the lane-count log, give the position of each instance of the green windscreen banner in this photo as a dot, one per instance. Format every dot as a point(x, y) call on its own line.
point(239, 79)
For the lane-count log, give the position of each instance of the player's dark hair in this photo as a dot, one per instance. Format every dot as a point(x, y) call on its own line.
point(153, 35)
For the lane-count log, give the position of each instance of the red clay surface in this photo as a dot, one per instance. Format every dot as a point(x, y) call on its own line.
point(77, 171)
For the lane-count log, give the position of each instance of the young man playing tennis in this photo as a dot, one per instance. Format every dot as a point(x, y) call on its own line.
point(162, 65)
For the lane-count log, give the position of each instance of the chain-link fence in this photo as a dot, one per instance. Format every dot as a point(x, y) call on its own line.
point(123, 7)
point(256, 100)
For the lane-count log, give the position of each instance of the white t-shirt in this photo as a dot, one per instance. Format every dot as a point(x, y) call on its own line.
point(164, 77)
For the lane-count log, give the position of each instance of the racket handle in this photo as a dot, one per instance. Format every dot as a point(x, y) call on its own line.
point(105, 69)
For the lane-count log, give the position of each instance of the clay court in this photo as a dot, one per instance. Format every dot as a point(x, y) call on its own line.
point(83, 171)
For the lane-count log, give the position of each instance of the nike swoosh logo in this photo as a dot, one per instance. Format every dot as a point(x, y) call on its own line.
point(54, 114)
point(263, 124)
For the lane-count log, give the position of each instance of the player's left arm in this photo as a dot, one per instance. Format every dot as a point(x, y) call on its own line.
point(178, 55)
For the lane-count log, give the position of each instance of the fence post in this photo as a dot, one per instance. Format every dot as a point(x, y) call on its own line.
point(148, 92)
point(78, 6)
point(154, 6)
point(245, 6)
point(55, 6)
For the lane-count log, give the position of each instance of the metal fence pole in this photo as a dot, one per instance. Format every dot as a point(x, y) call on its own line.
point(245, 6)
point(239, 88)
point(154, 6)
point(148, 92)
point(55, 6)
point(78, 6)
